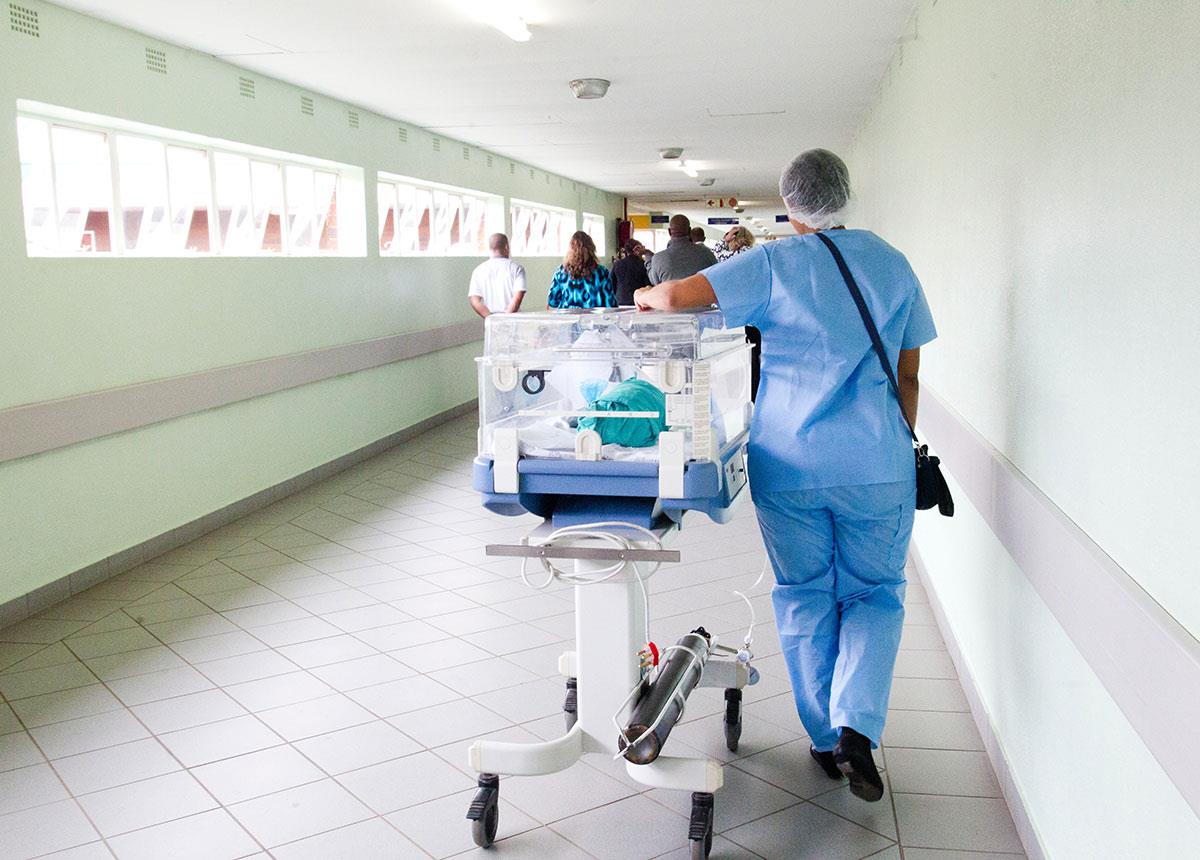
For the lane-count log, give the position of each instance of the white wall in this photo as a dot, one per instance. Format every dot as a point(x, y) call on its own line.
point(71, 326)
point(1037, 162)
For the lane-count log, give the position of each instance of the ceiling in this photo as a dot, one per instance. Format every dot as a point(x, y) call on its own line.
point(741, 86)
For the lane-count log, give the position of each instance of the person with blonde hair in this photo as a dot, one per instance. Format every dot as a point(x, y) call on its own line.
point(735, 241)
point(581, 281)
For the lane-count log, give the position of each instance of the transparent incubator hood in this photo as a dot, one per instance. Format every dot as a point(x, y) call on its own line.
point(549, 376)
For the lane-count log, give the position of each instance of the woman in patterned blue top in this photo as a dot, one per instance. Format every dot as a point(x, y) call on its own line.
point(581, 282)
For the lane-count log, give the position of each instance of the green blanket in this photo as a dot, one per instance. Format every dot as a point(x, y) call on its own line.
point(634, 395)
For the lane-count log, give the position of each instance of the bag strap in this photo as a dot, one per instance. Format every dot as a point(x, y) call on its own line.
point(861, 303)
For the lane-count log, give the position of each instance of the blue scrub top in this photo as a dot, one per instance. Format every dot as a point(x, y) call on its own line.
point(825, 414)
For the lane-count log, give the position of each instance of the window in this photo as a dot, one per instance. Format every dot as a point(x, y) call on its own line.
point(93, 185)
point(539, 230)
point(594, 226)
point(418, 217)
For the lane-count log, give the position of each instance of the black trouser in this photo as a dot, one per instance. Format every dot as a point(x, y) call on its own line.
point(754, 338)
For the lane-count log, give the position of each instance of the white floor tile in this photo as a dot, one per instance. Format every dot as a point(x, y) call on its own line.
point(961, 823)
point(563, 794)
point(130, 663)
point(630, 829)
point(246, 667)
point(35, 682)
point(38, 831)
point(475, 678)
point(362, 672)
point(113, 766)
point(440, 826)
point(324, 652)
point(405, 782)
point(807, 832)
point(212, 835)
point(927, 694)
point(315, 717)
point(220, 740)
point(88, 733)
point(372, 839)
point(146, 803)
point(152, 687)
point(357, 747)
point(25, 787)
point(400, 697)
point(183, 712)
point(957, 772)
point(452, 721)
point(296, 813)
point(278, 690)
point(66, 704)
point(256, 774)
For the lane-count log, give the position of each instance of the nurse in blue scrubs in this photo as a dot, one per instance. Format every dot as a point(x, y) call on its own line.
point(831, 460)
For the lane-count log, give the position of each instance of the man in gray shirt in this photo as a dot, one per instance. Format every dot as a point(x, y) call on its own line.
point(681, 258)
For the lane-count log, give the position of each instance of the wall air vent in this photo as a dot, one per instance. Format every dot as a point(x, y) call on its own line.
point(466, 153)
point(352, 118)
point(489, 161)
point(512, 169)
point(23, 20)
point(156, 60)
point(246, 87)
point(437, 144)
point(306, 105)
point(402, 135)
point(531, 173)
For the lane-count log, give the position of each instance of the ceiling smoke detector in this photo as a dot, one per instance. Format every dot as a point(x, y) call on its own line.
point(670, 153)
point(589, 88)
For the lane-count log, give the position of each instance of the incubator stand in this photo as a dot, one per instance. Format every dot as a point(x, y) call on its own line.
point(608, 513)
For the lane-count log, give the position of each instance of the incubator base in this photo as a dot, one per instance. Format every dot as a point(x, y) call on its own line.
point(610, 632)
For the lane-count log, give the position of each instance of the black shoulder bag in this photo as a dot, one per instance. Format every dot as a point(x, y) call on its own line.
point(931, 486)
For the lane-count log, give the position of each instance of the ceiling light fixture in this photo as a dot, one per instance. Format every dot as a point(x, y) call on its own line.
point(589, 88)
point(500, 14)
point(707, 181)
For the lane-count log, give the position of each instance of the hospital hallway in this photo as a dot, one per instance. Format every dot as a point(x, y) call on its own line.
point(599, 429)
point(306, 679)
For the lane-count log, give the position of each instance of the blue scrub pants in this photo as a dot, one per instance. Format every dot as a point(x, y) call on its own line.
point(838, 555)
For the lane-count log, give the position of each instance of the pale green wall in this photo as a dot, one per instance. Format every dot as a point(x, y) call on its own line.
point(70, 326)
point(1037, 162)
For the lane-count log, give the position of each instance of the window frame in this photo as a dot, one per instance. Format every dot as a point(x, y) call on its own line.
point(347, 189)
point(493, 215)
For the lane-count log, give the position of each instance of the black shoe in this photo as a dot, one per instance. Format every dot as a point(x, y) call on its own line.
point(854, 759)
point(825, 760)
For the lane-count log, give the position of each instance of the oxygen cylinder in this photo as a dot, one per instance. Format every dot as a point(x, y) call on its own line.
point(677, 676)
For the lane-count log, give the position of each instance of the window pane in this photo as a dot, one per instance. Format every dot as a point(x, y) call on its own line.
point(301, 209)
point(188, 180)
point(325, 190)
point(83, 185)
point(33, 143)
point(385, 196)
point(594, 226)
point(235, 218)
point(142, 174)
point(267, 187)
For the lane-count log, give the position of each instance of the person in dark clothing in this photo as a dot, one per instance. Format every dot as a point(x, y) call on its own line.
point(629, 272)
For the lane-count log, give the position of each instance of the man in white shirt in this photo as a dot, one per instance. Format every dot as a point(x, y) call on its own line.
point(498, 284)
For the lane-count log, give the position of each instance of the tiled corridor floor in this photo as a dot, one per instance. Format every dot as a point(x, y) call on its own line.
point(304, 683)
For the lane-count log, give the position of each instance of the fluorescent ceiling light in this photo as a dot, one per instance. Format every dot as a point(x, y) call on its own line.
point(500, 14)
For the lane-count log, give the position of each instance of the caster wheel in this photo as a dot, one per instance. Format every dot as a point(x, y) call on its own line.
point(484, 812)
point(733, 718)
point(571, 705)
point(700, 831)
